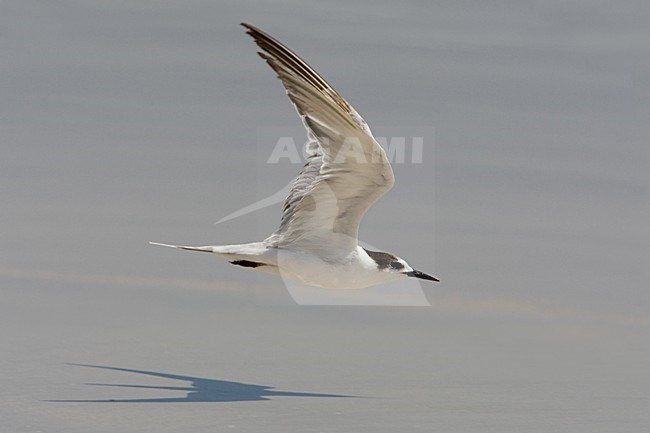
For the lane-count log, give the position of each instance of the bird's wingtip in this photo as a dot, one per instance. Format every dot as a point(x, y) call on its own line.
point(247, 26)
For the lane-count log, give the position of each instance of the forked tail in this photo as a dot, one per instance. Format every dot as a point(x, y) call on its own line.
point(253, 255)
point(183, 247)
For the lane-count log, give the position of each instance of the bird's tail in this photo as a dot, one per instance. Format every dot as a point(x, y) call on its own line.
point(253, 255)
point(228, 251)
point(183, 247)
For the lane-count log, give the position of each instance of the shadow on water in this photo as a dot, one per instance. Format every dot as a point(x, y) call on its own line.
point(198, 390)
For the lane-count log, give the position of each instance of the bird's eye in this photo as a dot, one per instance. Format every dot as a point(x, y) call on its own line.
point(396, 265)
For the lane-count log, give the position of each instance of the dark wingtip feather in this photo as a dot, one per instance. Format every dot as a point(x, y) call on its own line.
point(253, 31)
point(278, 56)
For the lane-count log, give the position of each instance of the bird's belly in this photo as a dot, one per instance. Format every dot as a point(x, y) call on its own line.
point(316, 272)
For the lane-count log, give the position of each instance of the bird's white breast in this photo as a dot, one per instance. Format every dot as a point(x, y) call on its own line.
point(354, 271)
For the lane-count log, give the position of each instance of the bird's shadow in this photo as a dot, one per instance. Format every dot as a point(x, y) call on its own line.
point(199, 390)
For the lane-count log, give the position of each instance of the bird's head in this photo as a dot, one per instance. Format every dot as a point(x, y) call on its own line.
point(400, 266)
point(395, 265)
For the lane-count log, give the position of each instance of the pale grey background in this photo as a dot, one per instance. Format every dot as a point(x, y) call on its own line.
point(124, 122)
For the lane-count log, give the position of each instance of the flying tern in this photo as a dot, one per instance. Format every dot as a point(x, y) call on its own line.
point(346, 172)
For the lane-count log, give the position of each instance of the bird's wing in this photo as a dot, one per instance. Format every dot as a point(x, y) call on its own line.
point(346, 170)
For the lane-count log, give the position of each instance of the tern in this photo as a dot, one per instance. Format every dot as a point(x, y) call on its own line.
point(346, 172)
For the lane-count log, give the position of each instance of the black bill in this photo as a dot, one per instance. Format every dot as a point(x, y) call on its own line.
point(421, 275)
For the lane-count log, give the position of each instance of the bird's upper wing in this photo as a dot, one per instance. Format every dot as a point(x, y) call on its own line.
point(346, 170)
